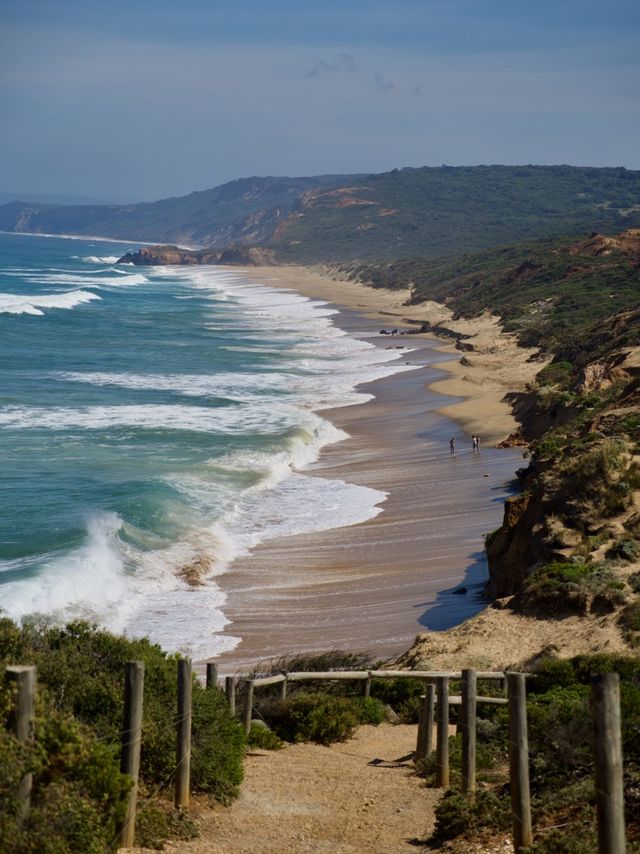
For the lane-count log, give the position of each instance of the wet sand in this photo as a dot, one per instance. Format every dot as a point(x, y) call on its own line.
point(375, 585)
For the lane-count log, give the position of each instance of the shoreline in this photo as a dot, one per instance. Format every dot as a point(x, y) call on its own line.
point(494, 366)
point(377, 584)
point(89, 238)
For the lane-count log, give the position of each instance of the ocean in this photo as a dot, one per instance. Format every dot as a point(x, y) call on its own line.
point(155, 424)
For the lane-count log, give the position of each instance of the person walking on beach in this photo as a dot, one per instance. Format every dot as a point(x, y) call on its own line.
point(452, 445)
point(476, 444)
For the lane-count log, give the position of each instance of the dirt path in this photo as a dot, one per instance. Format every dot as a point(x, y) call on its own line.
point(360, 797)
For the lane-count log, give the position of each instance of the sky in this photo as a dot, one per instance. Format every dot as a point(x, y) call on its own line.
point(130, 100)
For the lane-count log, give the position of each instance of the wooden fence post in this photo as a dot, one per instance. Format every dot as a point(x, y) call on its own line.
point(183, 730)
point(247, 712)
point(23, 720)
point(519, 761)
point(420, 737)
point(607, 747)
point(430, 709)
point(468, 716)
point(442, 757)
point(424, 743)
point(212, 674)
point(230, 690)
point(130, 751)
point(366, 687)
point(283, 688)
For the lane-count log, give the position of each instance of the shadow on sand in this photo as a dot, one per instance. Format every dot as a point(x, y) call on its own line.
point(452, 608)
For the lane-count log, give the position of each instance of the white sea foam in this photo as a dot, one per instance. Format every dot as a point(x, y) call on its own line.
point(97, 259)
point(35, 303)
point(89, 280)
point(94, 582)
point(225, 420)
point(226, 384)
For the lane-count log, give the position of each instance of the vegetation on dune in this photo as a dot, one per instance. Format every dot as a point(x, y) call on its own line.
point(547, 292)
point(78, 788)
point(561, 763)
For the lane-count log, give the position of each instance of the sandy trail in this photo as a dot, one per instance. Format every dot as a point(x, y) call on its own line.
point(340, 799)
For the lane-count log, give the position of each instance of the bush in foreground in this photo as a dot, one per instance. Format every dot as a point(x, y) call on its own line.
point(323, 718)
point(75, 757)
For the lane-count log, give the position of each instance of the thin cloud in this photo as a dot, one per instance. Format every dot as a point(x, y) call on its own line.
point(382, 84)
point(343, 62)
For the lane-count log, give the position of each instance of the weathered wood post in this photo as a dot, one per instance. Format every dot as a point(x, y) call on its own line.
point(468, 716)
point(430, 710)
point(442, 755)
point(230, 691)
point(212, 674)
point(420, 737)
point(247, 711)
point(130, 751)
point(519, 761)
point(23, 722)
point(607, 744)
point(424, 743)
point(183, 730)
point(283, 688)
point(366, 686)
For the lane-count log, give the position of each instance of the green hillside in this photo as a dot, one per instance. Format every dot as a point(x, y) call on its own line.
point(242, 211)
point(429, 212)
point(550, 292)
point(436, 212)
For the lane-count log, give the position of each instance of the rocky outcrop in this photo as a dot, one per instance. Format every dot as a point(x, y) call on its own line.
point(597, 245)
point(238, 256)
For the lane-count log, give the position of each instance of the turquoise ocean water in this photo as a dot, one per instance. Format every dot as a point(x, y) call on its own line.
point(153, 417)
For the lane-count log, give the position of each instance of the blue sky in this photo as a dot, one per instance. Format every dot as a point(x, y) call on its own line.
point(141, 100)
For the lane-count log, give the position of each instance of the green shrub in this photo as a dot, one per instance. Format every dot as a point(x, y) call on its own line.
point(402, 694)
point(559, 587)
point(458, 815)
point(560, 729)
point(634, 582)
point(264, 738)
point(81, 668)
point(370, 710)
point(630, 617)
point(576, 841)
point(155, 824)
point(572, 587)
point(624, 549)
point(557, 373)
point(313, 716)
point(78, 794)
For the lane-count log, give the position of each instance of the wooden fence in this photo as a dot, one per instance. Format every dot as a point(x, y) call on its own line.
point(434, 712)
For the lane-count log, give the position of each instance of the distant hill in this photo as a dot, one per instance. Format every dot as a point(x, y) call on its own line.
point(45, 199)
point(428, 211)
point(244, 211)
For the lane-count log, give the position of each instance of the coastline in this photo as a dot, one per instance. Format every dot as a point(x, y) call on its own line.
point(377, 584)
point(494, 365)
point(89, 237)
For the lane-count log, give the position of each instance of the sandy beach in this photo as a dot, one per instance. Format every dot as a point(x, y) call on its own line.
point(375, 585)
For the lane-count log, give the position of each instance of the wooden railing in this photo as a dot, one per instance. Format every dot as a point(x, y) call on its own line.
point(434, 712)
